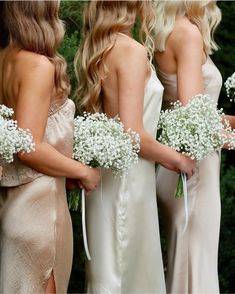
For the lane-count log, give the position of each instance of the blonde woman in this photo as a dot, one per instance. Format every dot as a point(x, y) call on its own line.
point(115, 77)
point(35, 225)
point(184, 41)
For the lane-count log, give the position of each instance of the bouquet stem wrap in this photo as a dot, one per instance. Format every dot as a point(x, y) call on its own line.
point(85, 242)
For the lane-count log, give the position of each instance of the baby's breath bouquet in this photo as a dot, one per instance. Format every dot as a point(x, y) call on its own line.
point(12, 138)
point(230, 87)
point(196, 130)
point(100, 141)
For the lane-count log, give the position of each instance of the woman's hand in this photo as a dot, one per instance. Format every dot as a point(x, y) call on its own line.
point(90, 179)
point(187, 165)
point(171, 167)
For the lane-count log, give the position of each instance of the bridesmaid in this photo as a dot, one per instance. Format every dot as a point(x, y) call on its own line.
point(184, 40)
point(35, 225)
point(115, 77)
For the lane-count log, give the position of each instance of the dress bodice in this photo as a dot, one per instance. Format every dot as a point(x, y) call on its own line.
point(152, 103)
point(58, 133)
point(212, 81)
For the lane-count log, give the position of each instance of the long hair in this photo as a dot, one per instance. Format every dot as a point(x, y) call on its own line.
point(102, 21)
point(35, 26)
point(204, 14)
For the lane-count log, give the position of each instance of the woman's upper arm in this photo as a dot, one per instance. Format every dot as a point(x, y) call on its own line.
point(189, 58)
point(132, 73)
point(34, 96)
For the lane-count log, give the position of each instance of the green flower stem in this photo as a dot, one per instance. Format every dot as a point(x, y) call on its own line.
point(179, 190)
point(74, 199)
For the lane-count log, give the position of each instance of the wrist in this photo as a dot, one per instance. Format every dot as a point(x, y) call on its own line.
point(177, 159)
point(82, 172)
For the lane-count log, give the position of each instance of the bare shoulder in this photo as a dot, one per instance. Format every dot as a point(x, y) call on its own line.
point(186, 33)
point(126, 48)
point(29, 62)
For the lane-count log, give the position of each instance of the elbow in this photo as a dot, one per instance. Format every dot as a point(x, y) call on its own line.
point(28, 157)
point(24, 157)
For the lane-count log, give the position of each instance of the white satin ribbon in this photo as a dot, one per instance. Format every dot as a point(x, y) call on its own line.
point(185, 191)
point(84, 225)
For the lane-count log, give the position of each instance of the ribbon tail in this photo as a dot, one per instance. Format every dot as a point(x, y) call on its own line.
point(184, 180)
point(84, 226)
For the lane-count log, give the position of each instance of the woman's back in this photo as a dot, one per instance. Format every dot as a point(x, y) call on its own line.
point(16, 66)
point(117, 59)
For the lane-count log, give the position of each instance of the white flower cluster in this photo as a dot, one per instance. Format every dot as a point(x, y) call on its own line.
point(100, 141)
point(197, 129)
point(230, 87)
point(12, 138)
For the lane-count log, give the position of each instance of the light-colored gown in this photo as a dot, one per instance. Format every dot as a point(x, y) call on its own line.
point(192, 256)
point(122, 219)
point(35, 224)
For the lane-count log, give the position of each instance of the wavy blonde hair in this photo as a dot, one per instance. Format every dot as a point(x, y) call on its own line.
point(102, 21)
point(204, 14)
point(35, 26)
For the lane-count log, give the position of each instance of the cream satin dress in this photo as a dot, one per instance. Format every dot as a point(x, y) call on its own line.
point(122, 219)
point(192, 256)
point(35, 225)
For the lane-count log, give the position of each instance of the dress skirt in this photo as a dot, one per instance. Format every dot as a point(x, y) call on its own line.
point(35, 237)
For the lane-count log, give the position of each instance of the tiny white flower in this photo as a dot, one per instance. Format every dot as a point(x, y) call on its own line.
point(230, 87)
point(197, 129)
point(12, 138)
point(100, 141)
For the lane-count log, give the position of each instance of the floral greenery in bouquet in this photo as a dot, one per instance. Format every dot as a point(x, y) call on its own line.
point(195, 130)
point(100, 141)
point(230, 87)
point(12, 138)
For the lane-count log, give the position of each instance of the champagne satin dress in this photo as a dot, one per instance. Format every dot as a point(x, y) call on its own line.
point(192, 256)
point(35, 225)
point(122, 220)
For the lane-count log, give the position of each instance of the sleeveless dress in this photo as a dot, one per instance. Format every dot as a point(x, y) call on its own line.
point(122, 218)
point(35, 225)
point(192, 256)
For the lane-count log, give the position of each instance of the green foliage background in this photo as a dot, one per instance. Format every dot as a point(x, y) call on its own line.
point(71, 13)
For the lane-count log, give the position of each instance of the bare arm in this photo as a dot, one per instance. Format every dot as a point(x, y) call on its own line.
point(132, 71)
point(188, 51)
point(231, 119)
point(32, 107)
